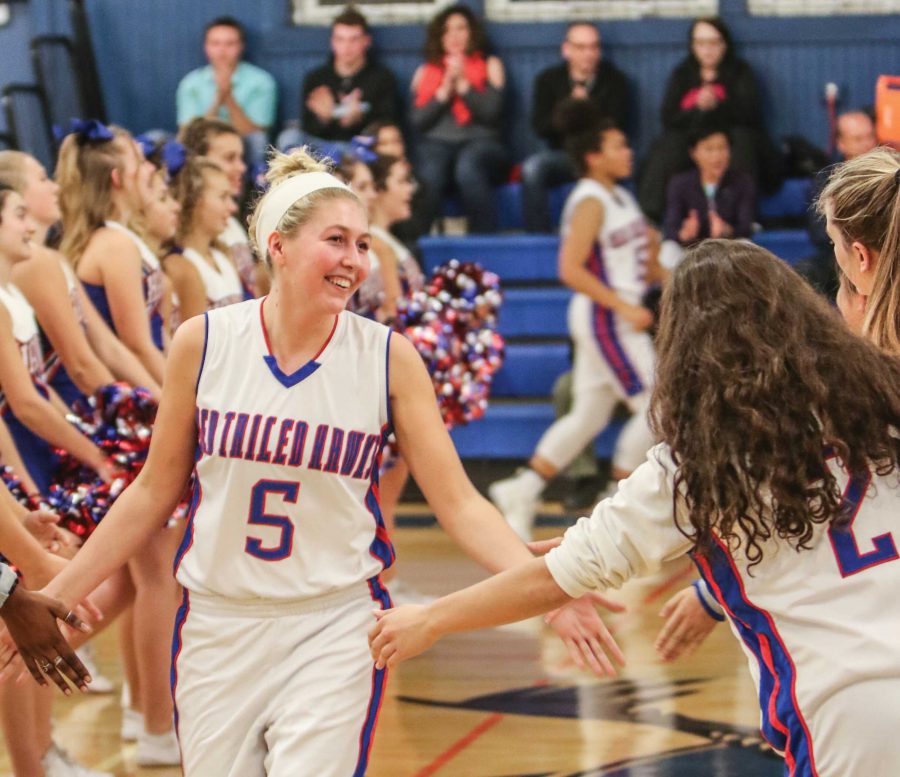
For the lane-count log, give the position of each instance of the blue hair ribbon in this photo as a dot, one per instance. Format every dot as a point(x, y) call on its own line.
point(362, 147)
point(85, 131)
point(173, 155)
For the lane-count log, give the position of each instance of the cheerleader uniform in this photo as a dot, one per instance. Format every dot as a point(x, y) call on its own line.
point(54, 370)
point(235, 239)
point(151, 271)
point(222, 283)
point(36, 452)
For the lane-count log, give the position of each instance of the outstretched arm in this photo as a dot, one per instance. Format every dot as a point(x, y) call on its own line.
point(470, 519)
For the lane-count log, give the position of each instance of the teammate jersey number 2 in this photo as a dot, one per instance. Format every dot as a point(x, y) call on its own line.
point(289, 490)
point(850, 558)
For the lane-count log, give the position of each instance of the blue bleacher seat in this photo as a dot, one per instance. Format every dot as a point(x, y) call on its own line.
point(536, 313)
point(792, 245)
point(530, 369)
point(790, 201)
point(508, 198)
point(511, 430)
point(514, 258)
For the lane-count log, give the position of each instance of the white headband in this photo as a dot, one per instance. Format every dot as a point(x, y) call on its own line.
point(280, 198)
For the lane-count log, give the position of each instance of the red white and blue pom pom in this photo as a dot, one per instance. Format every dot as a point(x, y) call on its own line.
point(119, 420)
point(452, 323)
point(15, 487)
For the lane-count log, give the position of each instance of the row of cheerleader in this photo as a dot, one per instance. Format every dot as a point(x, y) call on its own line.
point(98, 266)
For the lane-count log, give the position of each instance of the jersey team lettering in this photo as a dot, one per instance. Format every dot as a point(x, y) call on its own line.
point(268, 439)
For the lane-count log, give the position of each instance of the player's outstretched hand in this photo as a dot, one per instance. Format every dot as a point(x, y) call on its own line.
point(687, 626)
point(586, 636)
point(542, 547)
point(31, 619)
point(400, 633)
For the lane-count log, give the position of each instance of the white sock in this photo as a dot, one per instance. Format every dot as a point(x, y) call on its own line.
point(531, 483)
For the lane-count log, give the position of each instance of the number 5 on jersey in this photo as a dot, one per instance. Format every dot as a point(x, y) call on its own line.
point(289, 490)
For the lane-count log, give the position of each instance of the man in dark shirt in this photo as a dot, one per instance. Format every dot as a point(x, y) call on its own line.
point(343, 96)
point(583, 75)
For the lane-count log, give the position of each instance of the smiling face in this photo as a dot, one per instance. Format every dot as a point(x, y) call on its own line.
point(712, 155)
point(394, 199)
point(326, 260)
point(708, 45)
point(41, 193)
point(349, 44)
point(363, 184)
point(227, 151)
point(161, 213)
point(16, 229)
point(581, 49)
point(216, 204)
point(223, 46)
point(389, 142)
point(456, 35)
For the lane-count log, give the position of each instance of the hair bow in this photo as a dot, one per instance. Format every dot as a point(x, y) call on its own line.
point(173, 155)
point(147, 144)
point(85, 131)
point(362, 147)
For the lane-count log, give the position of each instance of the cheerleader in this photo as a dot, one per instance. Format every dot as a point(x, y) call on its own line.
point(82, 353)
point(202, 275)
point(104, 182)
point(104, 186)
point(35, 416)
point(221, 143)
point(605, 259)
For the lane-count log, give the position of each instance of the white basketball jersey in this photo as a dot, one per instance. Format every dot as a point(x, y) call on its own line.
point(222, 284)
point(24, 328)
point(286, 504)
point(619, 258)
point(819, 626)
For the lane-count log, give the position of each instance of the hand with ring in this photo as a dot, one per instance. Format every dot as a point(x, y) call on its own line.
point(32, 621)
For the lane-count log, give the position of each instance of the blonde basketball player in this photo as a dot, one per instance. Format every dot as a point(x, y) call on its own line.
point(281, 407)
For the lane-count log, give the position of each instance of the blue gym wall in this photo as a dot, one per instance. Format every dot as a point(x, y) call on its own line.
point(143, 48)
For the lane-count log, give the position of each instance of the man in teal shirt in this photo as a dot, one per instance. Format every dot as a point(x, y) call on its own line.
point(230, 89)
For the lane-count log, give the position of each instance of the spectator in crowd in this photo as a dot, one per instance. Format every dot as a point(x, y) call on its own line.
point(229, 88)
point(855, 136)
point(583, 74)
point(457, 105)
point(709, 85)
point(712, 200)
point(348, 92)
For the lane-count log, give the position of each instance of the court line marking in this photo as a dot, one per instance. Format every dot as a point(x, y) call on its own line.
point(461, 744)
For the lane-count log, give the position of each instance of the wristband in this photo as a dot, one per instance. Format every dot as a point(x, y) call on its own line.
point(8, 582)
point(708, 601)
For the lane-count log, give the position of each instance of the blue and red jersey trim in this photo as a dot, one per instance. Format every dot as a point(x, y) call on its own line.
point(604, 328)
point(783, 724)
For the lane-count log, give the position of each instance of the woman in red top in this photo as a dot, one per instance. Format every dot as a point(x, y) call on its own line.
point(457, 104)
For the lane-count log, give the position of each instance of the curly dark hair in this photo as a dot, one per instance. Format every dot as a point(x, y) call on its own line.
point(434, 50)
point(758, 382)
point(582, 129)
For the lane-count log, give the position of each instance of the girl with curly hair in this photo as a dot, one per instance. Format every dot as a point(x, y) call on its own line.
point(777, 471)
